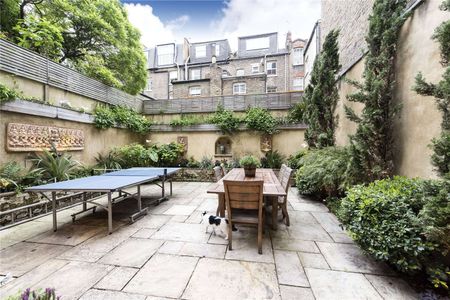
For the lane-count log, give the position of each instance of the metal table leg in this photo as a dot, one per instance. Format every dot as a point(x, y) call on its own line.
point(55, 225)
point(140, 211)
point(109, 213)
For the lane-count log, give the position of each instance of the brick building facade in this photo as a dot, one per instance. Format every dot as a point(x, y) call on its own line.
point(211, 69)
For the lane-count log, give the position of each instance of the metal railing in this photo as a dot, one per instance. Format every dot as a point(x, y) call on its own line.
point(272, 101)
point(28, 64)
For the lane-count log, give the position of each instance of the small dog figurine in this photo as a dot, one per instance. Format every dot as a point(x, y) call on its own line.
point(215, 222)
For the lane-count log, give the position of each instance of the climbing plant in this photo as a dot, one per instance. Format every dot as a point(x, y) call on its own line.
point(371, 146)
point(321, 95)
point(441, 92)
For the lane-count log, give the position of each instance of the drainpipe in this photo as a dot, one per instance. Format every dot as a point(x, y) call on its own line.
point(176, 61)
point(265, 69)
point(186, 67)
point(285, 72)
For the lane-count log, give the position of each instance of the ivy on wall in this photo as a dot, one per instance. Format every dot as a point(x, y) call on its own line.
point(107, 117)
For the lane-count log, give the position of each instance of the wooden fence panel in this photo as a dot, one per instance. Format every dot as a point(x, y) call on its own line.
point(28, 64)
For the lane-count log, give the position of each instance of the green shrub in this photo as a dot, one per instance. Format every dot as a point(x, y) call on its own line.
point(192, 163)
point(188, 120)
point(225, 120)
point(249, 161)
point(403, 222)
point(135, 155)
point(206, 163)
point(296, 113)
point(294, 160)
point(7, 94)
point(55, 166)
point(260, 119)
point(169, 155)
point(110, 161)
point(272, 159)
point(104, 117)
point(107, 117)
point(324, 172)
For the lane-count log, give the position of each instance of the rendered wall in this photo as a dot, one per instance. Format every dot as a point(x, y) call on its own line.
point(96, 140)
point(201, 144)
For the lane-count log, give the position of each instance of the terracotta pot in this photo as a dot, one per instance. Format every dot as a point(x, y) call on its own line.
point(250, 171)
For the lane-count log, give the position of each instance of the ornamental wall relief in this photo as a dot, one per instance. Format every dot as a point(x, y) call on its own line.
point(27, 137)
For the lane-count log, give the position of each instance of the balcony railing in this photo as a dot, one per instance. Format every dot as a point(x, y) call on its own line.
point(272, 101)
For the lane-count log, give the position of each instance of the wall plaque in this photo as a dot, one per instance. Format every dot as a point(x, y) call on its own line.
point(27, 137)
point(184, 141)
point(266, 143)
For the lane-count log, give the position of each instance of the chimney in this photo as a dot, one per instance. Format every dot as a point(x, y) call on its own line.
point(288, 40)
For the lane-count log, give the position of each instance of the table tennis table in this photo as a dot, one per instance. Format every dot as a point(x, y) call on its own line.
point(110, 183)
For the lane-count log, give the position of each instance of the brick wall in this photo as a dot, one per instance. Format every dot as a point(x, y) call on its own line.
point(181, 90)
point(351, 17)
point(254, 84)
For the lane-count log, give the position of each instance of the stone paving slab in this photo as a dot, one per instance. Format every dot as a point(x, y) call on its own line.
point(117, 278)
point(152, 221)
point(348, 257)
point(302, 206)
point(96, 247)
point(193, 249)
point(37, 274)
point(70, 235)
point(183, 210)
point(335, 285)
point(223, 279)
point(309, 232)
point(289, 269)
point(132, 253)
point(295, 293)
point(144, 233)
point(392, 288)
point(95, 294)
point(22, 257)
point(163, 275)
point(313, 260)
point(294, 245)
point(247, 250)
point(182, 232)
point(75, 278)
point(328, 221)
point(301, 217)
point(341, 238)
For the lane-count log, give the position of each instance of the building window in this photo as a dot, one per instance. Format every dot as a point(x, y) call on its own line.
point(240, 72)
point(239, 88)
point(148, 87)
point(165, 54)
point(225, 73)
point(195, 91)
point(255, 68)
point(297, 84)
point(195, 74)
point(200, 51)
point(271, 89)
point(173, 75)
point(216, 50)
point(298, 56)
point(271, 68)
point(258, 43)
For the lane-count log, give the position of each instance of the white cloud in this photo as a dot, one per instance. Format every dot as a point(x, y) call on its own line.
point(152, 29)
point(248, 17)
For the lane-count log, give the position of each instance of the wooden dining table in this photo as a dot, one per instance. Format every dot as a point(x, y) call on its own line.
point(272, 187)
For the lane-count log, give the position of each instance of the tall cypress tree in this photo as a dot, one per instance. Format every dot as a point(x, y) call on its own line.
point(441, 91)
point(372, 145)
point(321, 95)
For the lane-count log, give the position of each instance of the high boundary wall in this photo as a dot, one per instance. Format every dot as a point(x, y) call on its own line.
point(419, 120)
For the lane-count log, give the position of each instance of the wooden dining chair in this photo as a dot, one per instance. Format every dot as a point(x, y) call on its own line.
point(281, 201)
point(244, 204)
point(224, 171)
point(218, 174)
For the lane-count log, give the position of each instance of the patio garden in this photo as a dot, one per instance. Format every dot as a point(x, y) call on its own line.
point(341, 195)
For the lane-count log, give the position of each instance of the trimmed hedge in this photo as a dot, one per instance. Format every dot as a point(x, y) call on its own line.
point(404, 222)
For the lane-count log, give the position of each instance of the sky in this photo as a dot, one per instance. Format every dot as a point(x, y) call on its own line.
point(166, 21)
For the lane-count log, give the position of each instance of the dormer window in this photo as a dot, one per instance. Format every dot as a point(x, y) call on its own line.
point(200, 51)
point(165, 54)
point(215, 49)
point(257, 43)
point(298, 56)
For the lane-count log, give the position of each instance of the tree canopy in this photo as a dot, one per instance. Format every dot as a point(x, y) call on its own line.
point(94, 37)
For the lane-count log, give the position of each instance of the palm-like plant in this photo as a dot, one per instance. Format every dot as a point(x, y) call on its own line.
point(55, 166)
point(109, 161)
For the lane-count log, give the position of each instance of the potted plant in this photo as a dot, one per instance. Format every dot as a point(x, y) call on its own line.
point(249, 163)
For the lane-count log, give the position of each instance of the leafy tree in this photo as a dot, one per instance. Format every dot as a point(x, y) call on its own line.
point(441, 91)
point(9, 13)
point(371, 146)
point(40, 35)
point(97, 38)
point(321, 95)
